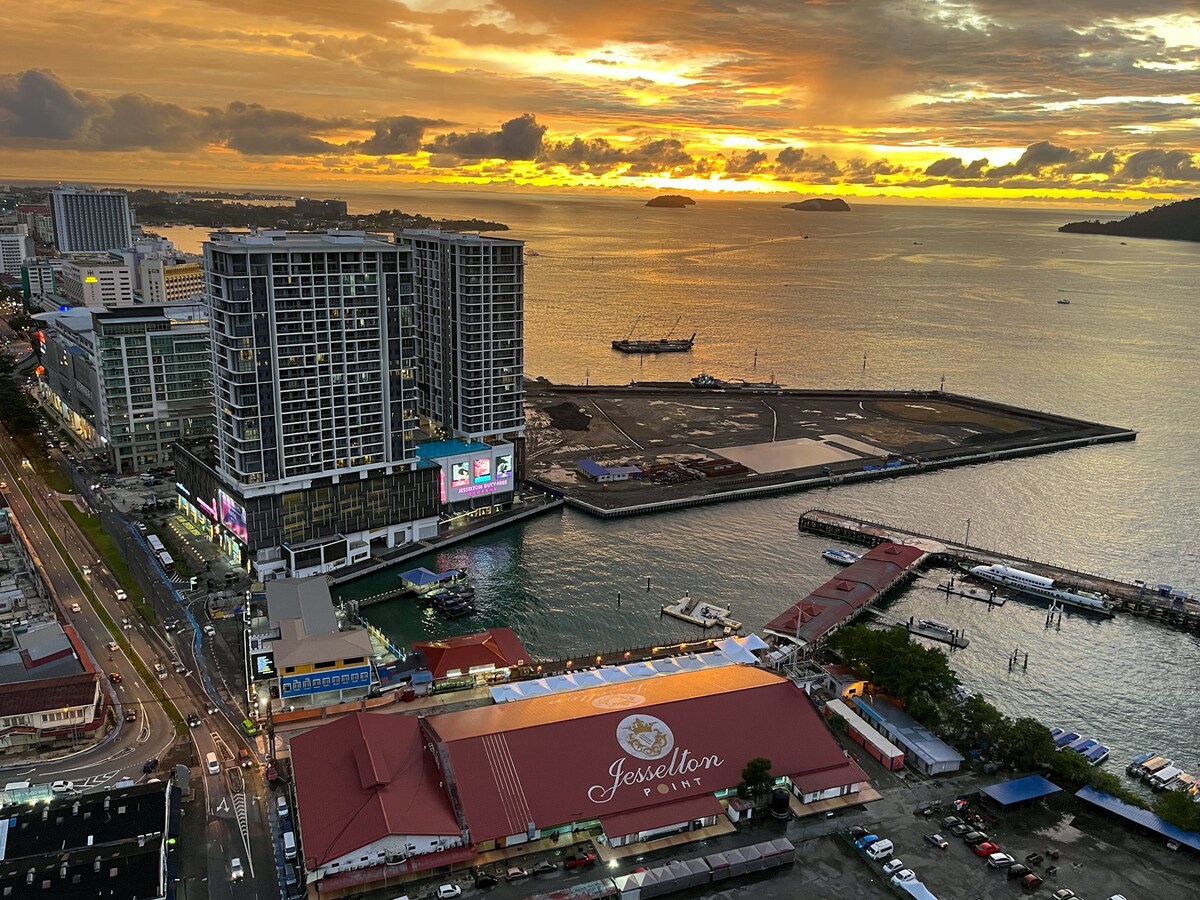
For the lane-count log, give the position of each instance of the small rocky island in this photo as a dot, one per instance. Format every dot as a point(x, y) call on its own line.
point(1173, 222)
point(672, 201)
point(820, 204)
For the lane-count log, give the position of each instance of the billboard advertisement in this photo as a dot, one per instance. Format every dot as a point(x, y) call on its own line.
point(233, 517)
point(479, 475)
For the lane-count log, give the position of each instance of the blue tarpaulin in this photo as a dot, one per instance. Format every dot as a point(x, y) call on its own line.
point(1019, 790)
point(1142, 817)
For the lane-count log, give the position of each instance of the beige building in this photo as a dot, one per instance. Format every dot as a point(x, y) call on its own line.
point(97, 282)
point(167, 280)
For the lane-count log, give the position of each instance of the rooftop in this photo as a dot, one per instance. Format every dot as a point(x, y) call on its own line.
point(580, 755)
point(915, 737)
point(302, 598)
point(49, 651)
point(298, 240)
point(95, 845)
point(498, 648)
point(365, 777)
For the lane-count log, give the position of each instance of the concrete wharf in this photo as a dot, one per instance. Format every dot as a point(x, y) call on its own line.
point(955, 638)
point(1129, 597)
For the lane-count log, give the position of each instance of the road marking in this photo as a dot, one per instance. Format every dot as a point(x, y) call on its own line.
point(223, 806)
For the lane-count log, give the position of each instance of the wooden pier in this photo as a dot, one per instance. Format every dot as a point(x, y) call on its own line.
point(1131, 598)
point(991, 598)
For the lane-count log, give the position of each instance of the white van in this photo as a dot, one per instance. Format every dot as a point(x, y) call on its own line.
point(214, 764)
point(880, 850)
point(289, 845)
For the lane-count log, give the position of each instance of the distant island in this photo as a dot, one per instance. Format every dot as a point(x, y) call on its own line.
point(820, 204)
point(163, 208)
point(1173, 222)
point(671, 201)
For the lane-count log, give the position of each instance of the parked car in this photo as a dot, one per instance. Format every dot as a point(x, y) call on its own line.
point(974, 837)
point(858, 831)
point(1000, 860)
point(448, 891)
point(960, 829)
point(484, 880)
point(115, 677)
point(515, 873)
point(987, 848)
point(579, 860)
point(937, 840)
point(890, 868)
point(150, 765)
point(904, 875)
point(1031, 882)
point(1062, 894)
point(273, 776)
point(1017, 870)
point(951, 821)
point(544, 866)
point(866, 841)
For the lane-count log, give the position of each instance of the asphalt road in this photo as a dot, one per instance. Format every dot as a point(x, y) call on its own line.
point(236, 801)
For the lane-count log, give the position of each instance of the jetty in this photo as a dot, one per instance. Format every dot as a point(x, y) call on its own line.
point(956, 639)
point(1135, 598)
point(702, 613)
point(991, 598)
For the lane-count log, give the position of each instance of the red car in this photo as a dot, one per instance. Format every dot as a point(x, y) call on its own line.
point(115, 677)
point(579, 860)
point(987, 848)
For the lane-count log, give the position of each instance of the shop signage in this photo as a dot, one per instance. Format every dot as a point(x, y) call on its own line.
point(667, 768)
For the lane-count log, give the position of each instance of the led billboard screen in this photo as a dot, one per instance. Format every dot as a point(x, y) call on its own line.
point(233, 517)
point(460, 474)
point(481, 469)
point(504, 465)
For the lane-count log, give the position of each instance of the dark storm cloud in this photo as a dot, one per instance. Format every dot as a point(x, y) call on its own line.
point(35, 104)
point(519, 138)
point(952, 167)
point(797, 161)
point(397, 136)
point(1037, 157)
point(598, 156)
point(1168, 165)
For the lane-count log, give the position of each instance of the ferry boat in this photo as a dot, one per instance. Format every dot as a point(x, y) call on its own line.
point(935, 625)
point(840, 556)
point(1039, 586)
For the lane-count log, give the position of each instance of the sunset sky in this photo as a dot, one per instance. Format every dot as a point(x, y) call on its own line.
point(1091, 99)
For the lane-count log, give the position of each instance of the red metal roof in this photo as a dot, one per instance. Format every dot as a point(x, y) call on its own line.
point(661, 816)
point(365, 777)
point(625, 748)
point(499, 647)
point(21, 698)
point(841, 596)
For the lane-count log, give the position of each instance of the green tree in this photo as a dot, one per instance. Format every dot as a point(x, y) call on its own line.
point(1178, 809)
point(756, 778)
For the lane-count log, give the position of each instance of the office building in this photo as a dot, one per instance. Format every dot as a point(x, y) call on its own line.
point(38, 281)
point(470, 301)
point(98, 282)
point(130, 381)
point(321, 209)
point(87, 221)
point(16, 246)
point(313, 351)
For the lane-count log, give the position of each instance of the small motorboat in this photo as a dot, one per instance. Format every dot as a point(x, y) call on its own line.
point(1067, 737)
point(1063, 301)
point(840, 556)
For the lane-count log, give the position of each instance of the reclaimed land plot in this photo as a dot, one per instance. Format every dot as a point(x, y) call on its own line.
point(673, 446)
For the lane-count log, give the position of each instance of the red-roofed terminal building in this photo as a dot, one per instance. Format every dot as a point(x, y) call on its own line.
point(632, 761)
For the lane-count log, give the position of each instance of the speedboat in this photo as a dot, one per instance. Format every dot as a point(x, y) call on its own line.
point(1067, 737)
point(1097, 754)
point(840, 556)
